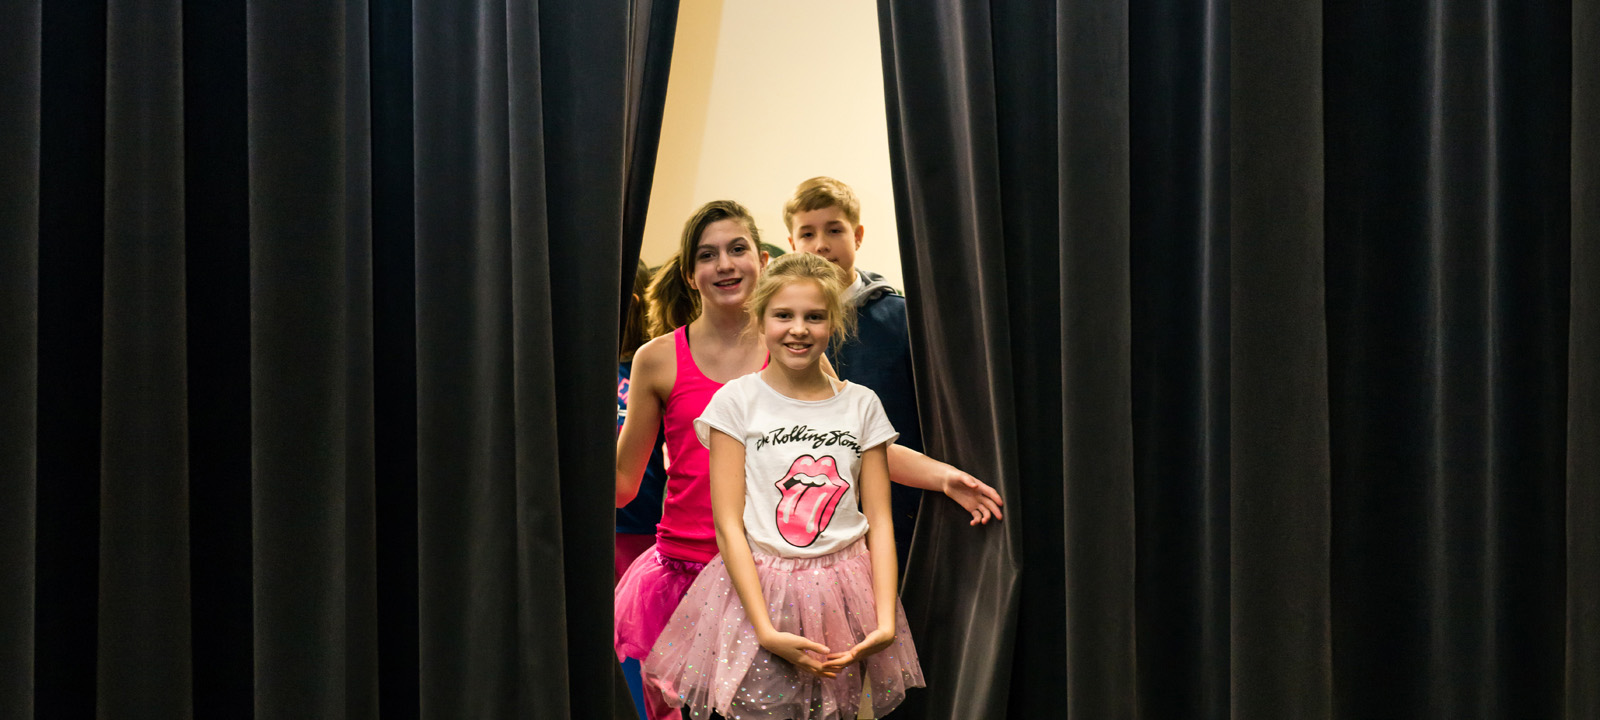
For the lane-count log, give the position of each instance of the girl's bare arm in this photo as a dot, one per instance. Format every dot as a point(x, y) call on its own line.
point(642, 425)
point(913, 469)
point(874, 484)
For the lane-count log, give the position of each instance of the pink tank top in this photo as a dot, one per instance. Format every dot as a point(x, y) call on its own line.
point(686, 530)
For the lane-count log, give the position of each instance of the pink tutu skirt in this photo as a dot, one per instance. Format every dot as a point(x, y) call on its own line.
point(645, 598)
point(707, 658)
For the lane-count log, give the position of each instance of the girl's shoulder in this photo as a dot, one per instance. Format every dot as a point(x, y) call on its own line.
point(730, 409)
point(859, 393)
point(743, 397)
point(655, 364)
point(863, 405)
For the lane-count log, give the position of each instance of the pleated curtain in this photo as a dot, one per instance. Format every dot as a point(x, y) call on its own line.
point(1278, 326)
point(1276, 323)
point(300, 414)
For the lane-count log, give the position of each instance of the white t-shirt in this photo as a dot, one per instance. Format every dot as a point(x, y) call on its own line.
point(802, 461)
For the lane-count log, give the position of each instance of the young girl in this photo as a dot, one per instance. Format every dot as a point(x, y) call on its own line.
point(799, 612)
point(674, 376)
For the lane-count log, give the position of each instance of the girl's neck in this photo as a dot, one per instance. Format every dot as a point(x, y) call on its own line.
point(807, 383)
point(720, 325)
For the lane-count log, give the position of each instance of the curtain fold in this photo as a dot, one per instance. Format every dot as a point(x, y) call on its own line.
point(394, 318)
point(954, 114)
point(1098, 482)
point(19, 332)
point(1314, 424)
point(1179, 270)
point(300, 394)
point(513, 167)
point(652, 30)
point(465, 495)
point(144, 659)
point(1280, 601)
point(71, 233)
point(584, 185)
point(217, 293)
point(311, 360)
point(1583, 373)
point(1447, 322)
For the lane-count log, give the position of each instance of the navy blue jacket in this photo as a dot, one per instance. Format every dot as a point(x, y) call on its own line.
point(879, 357)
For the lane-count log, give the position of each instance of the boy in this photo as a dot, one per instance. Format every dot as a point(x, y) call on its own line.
point(824, 218)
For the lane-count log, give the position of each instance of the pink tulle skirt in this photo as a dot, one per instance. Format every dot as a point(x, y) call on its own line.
point(645, 598)
point(707, 657)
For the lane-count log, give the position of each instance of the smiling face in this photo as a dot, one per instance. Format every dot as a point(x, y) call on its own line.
point(795, 325)
point(827, 233)
point(727, 263)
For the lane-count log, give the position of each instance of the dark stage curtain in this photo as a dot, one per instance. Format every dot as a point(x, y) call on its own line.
point(286, 290)
point(1276, 322)
point(652, 29)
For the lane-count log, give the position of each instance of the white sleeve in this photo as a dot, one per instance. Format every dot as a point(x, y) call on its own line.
point(875, 426)
point(725, 412)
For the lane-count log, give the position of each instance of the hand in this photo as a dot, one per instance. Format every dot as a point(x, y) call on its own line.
point(797, 650)
point(875, 642)
point(973, 495)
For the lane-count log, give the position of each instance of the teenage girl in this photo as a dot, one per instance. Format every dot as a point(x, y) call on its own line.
point(674, 376)
point(800, 609)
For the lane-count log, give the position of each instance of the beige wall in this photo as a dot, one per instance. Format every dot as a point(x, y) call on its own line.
point(764, 94)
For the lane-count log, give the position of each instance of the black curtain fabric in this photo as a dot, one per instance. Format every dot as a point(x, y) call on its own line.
point(1583, 374)
point(298, 413)
point(1277, 325)
point(652, 28)
point(19, 344)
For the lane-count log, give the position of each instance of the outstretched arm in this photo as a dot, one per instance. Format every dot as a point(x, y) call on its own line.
point(911, 468)
point(727, 510)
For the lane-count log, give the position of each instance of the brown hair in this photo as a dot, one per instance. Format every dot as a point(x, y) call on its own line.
point(818, 193)
point(800, 267)
point(634, 333)
point(673, 303)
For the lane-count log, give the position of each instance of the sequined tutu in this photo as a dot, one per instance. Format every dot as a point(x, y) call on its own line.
point(645, 598)
point(707, 657)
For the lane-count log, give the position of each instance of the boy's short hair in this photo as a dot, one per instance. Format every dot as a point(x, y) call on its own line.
point(822, 192)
